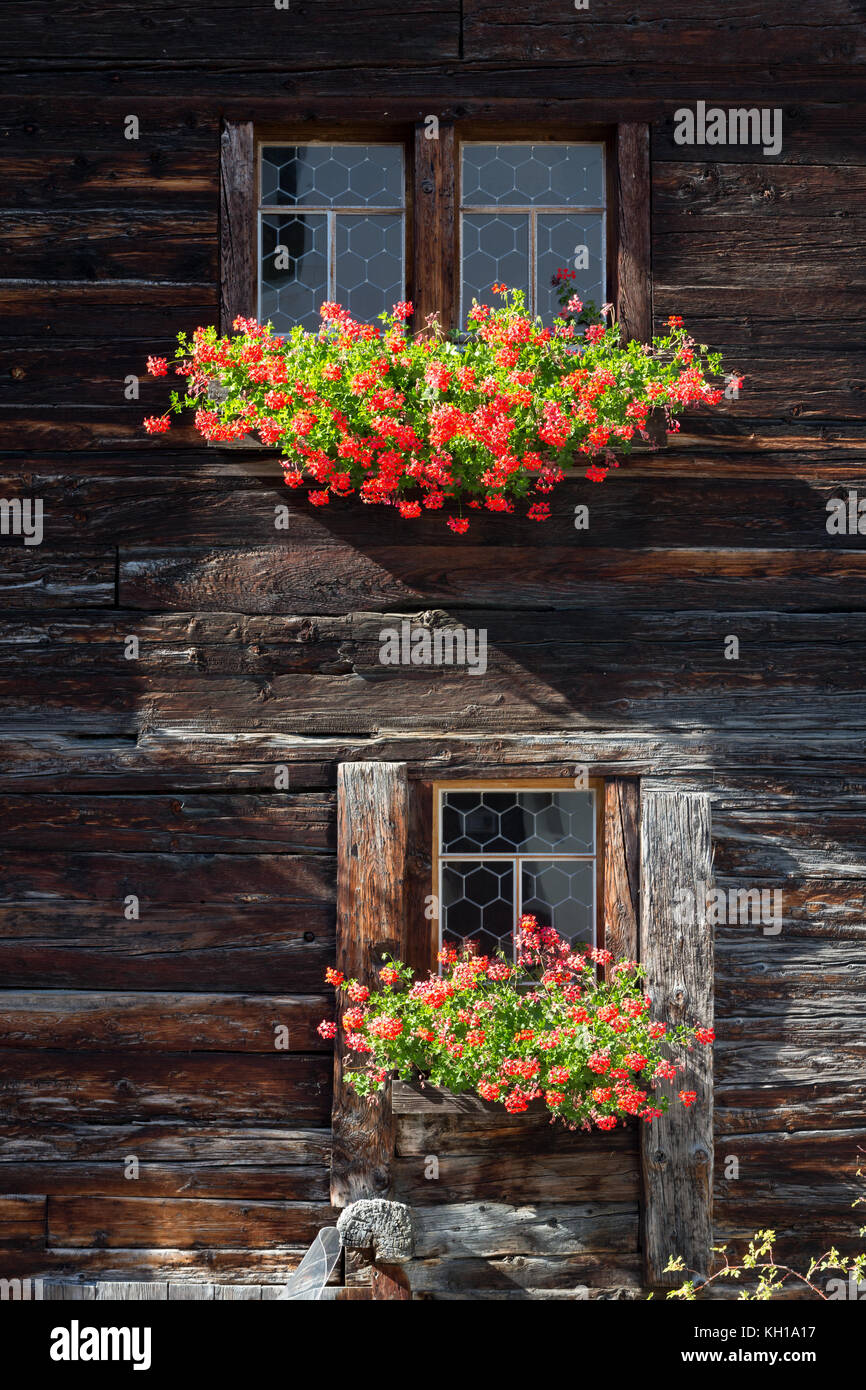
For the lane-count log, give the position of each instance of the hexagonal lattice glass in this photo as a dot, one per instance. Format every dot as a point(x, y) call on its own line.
point(518, 822)
point(547, 174)
point(293, 270)
point(478, 905)
point(527, 210)
point(342, 234)
point(369, 263)
point(560, 893)
point(356, 176)
point(495, 248)
point(569, 242)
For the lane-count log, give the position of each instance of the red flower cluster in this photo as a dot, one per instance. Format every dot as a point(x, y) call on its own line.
point(593, 1064)
point(417, 422)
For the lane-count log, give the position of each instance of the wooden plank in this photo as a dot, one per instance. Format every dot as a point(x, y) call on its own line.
point(136, 1221)
point(497, 1132)
point(32, 577)
point(677, 1150)
point(95, 1021)
point(434, 225)
point(241, 1265)
point(129, 1088)
point(621, 866)
point(252, 947)
point(634, 241)
point(486, 1229)
point(270, 1183)
point(237, 227)
point(22, 1222)
point(372, 834)
point(515, 1273)
point(128, 1291)
point(579, 1176)
point(173, 1143)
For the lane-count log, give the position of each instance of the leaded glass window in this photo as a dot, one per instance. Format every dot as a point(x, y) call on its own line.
point(527, 211)
point(505, 850)
point(331, 227)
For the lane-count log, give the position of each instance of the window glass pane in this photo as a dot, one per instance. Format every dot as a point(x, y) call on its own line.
point(332, 176)
point(560, 894)
point(294, 270)
point(478, 905)
point(560, 243)
point(545, 175)
point(369, 263)
point(515, 822)
point(495, 248)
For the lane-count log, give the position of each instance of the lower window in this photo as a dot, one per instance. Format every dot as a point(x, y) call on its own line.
point(507, 848)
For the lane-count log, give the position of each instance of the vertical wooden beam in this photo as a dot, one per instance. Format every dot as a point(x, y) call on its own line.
point(634, 246)
point(677, 951)
point(621, 866)
point(372, 843)
point(434, 247)
point(237, 222)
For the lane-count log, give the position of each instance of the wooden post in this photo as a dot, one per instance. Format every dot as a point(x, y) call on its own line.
point(434, 248)
point(237, 223)
point(621, 866)
point(634, 253)
point(372, 835)
point(677, 951)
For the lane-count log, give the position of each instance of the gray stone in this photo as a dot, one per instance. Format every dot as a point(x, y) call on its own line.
point(381, 1226)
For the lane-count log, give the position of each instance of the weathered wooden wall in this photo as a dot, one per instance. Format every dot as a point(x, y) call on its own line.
point(156, 777)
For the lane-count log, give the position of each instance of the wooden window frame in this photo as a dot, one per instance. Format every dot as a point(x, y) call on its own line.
point(657, 843)
point(432, 214)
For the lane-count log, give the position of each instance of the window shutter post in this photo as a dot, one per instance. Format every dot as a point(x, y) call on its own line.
point(237, 229)
point(634, 192)
point(372, 851)
point(677, 951)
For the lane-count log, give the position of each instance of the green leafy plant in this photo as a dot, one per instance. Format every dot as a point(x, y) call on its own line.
point(770, 1278)
point(418, 422)
point(544, 1028)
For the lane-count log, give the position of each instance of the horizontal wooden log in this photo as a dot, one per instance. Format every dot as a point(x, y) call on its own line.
point(185, 1222)
point(201, 1146)
point(742, 39)
point(236, 1266)
point(519, 1178)
point(466, 1277)
point(59, 310)
point(168, 878)
point(320, 580)
point(34, 577)
point(100, 1021)
point(809, 1157)
point(22, 1223)
point(492, 1131)
point(788, 842)
point(184, 35)
point(802, 1060)
point(179, 502)
point(788, 1107)
point(467, 1229)
point(102, 245)
point(282, 823)
point(248, 947)
point(292, 1183)
point(130, 1088)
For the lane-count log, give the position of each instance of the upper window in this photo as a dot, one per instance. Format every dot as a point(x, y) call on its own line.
point(527, 211)
point(342, 221)
point(506, 849)
point(331, 227)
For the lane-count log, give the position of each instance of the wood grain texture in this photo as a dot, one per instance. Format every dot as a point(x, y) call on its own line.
point(372, 830)
point(435, 244)
point(677, 952)
point(237, 222)
point(634, 240)
point(621, 867)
